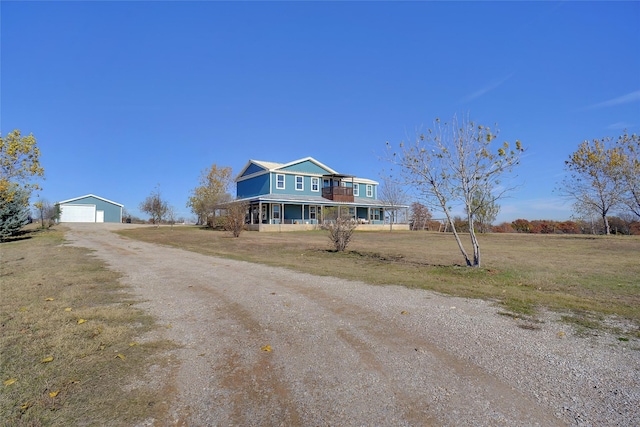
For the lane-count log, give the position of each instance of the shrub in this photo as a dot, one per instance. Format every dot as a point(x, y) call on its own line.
point(340, 232)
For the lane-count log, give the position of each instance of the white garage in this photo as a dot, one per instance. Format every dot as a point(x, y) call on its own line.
point(90, 208)
point(78, 213)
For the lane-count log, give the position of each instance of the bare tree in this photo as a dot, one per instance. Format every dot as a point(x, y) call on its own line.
point(171, 215)
point(234, 219)
point(452, 162)
point(420, 216)
point(340, 227)
point(155, 207)
point(47, 212)
point(393, 196)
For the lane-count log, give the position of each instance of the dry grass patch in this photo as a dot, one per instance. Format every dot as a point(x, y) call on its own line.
point(69, 334)
point(577, 274)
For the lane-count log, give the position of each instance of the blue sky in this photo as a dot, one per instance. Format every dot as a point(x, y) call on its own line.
point(123, 96)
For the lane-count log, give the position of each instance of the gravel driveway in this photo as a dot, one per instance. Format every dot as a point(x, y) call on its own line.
point(344, 353)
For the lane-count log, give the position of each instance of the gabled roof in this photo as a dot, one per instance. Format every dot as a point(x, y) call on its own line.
point(272, 166)
point(91, 195)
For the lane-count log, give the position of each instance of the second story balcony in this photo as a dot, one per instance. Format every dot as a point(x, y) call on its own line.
point(335, 188)
point(338, 194)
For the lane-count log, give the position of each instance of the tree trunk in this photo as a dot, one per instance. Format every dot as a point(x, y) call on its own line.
point(474, 241)
point(607, 228)
point(460, 245)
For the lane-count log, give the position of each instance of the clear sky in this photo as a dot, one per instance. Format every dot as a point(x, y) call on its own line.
point(123, 96)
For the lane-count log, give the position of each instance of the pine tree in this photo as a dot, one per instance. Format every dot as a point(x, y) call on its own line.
point(14, 214)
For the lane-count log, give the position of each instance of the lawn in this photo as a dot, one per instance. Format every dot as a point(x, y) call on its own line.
point(584, 276)
point(70, 347)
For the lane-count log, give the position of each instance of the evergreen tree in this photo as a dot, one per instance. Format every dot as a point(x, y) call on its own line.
point(14, 214)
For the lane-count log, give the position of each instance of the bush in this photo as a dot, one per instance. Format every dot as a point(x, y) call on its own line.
point(340, 232)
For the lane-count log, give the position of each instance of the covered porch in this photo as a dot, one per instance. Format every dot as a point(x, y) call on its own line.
point(268, 214)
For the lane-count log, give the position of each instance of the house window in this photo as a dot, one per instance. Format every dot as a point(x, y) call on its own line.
point(312, 211)
point(356, 189)
point(299, 183)
point(369, 190)
point(280, 181)
point(375, 215)
point(315, 184)
point(276, 212)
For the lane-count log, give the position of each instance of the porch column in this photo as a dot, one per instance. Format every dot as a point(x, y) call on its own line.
point(303, 213)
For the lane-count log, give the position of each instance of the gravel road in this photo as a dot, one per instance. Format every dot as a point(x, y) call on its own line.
point(345, 353)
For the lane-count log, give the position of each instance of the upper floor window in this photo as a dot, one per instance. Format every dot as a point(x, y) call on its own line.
point(356, 189)
point(369, 190)
point(315, 184)
point(280, 181)
point(299, 183)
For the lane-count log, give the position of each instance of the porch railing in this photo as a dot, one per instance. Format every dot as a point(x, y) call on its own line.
point(338, 194)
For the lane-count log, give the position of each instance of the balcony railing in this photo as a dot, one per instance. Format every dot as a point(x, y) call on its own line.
point(338, 193)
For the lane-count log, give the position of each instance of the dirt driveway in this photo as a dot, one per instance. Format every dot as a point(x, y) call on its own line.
point(345, 353)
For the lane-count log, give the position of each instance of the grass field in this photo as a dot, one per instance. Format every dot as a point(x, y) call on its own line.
point(68, 344)
point(69, 353)
point(585, 277)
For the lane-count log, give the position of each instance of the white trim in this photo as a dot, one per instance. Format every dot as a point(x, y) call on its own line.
point(356, 189)
point(90, 195)
point(369, 190)
point(295, 180)
point(284, 184)
point(317, 178)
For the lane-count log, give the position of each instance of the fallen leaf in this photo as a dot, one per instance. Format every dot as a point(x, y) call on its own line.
point(54, 393)
point(81, 321)
point(25, 406)
point(561, 334)
point(23, 309)
point(133, 344)
point(47, 359)
point(9, 381)
point(404, 312)
point(169, 326)
point(265, 348)
point(120, 356)
point(49, 299)
point(67, 309)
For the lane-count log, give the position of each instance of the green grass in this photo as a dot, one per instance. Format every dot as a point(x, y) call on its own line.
point(523, 272)
point(60, 304)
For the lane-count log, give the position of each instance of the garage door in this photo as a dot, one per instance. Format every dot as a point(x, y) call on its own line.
point(78, 213)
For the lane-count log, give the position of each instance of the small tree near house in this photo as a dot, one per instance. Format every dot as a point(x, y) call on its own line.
point(234, 219)
point(393, 196)
point(340, 227)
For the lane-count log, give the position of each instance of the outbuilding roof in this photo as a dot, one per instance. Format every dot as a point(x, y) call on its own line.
point(91, 195)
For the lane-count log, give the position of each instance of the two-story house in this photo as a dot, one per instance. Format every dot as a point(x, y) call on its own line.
point(300, 194)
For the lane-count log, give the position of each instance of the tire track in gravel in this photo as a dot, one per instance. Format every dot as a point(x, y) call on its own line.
point(334, 361)
point(373, 332)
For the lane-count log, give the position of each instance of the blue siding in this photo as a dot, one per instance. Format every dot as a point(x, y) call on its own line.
point(307, 167)
point(253, 186)
point(253, 168)
point(112, 213)
point(290, 185)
